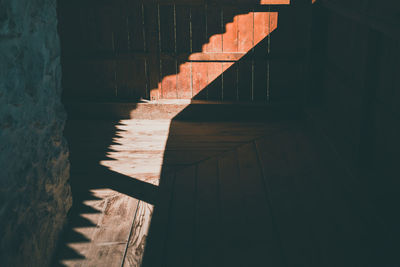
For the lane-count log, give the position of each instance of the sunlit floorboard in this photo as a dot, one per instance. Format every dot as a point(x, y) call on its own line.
point(116, 167)
point(181, 193)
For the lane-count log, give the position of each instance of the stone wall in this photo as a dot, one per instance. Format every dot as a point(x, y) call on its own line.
point(34, 192)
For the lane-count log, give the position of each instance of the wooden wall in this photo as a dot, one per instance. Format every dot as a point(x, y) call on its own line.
point(356, 88)
point(248, 50)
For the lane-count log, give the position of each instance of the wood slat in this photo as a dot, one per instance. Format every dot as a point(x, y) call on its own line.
point(136, 17)
point(179, 246)
point(153, 47)
point(159, 224)
point(214, 86)
point(138, 238)
point(168, 44)
point(230, 77)
point(231, 201)
point(263, 242)
point(286, 201)
point(246, 31)
point(245, 80)
point(163, 37)
point(207, 224)
point(184, 45)
point(108, 240)
point(200, 77)
point(120, 28)
point(231, 36)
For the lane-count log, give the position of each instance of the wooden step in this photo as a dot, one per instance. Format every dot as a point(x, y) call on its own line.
point(195, 110)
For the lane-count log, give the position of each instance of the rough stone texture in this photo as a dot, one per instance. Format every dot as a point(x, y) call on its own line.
point(34, 191)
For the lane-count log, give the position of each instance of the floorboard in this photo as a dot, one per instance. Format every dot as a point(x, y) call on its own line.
point(158, 193)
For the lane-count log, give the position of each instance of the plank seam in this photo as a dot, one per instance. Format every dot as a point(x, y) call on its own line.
point(130, 234)
point(267, 192)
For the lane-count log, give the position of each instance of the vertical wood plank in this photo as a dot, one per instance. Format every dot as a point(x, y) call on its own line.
point(245, 44)
point(199, 39)
point(183, 29)
point(230, 23)
point(230, 81)
point(135, 18)
point(261, 26)
point(246, 31)
point(245, 78)
point(199, 34)
point(231, 201)
point(125, 78)
point(261, 231)
point(260, 80)
point(199, 76)
point(184, 80)
point(105, 35)
point(214, 35)
point(112, 233)
point(101, 77)
point(168, 46)
point(261, 37)
point(288, 205)
point(137, 241)
point(152, 46)
point(158, 231)
point(180, 242)
point(183, 32)
point(230, 44)
point(207, 232)
point(131, 78)
point(120, 27)
point(214, 29)
point(169, 78)
point(214, 86)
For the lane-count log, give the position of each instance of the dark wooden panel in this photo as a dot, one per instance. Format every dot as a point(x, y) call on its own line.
point(245, 81)
point(131, 79)
point(262, 239)
point(286, 80)
point(179, 247)
point(230, 77)
point(167, 15)
point(207, 232)
point(121, 30)
point(231, 201)
point(161, 37)
point(152, 46)
point(136, 23)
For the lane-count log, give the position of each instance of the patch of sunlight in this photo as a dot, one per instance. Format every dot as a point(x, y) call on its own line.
point(138, 149)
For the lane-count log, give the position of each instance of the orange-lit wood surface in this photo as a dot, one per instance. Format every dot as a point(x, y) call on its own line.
point(214, 50)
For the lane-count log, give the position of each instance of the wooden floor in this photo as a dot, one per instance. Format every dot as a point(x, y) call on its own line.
point(181, 193)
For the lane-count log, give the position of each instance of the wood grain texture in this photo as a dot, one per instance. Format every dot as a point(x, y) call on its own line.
point(149, 50)
point(261, 232)
point(230, 201)
point(207, 245)
point(179, 244)
point(297, 206)
point(139, 234)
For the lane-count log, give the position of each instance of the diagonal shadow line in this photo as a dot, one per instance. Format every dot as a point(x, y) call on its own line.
point(102, 177)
